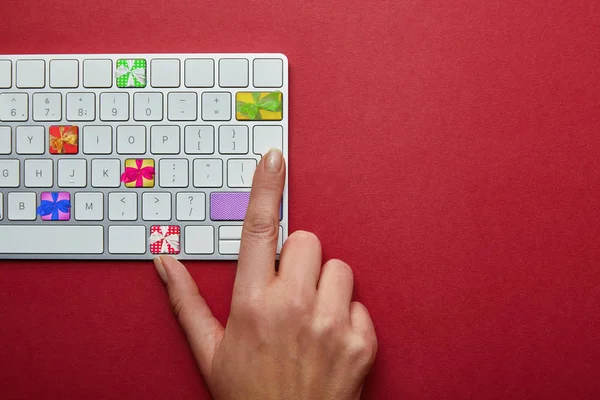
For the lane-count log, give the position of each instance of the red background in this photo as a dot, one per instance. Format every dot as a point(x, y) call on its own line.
point(448, 150)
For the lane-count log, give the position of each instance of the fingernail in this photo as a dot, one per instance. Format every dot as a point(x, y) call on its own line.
point(160, 269)
point(274, 160)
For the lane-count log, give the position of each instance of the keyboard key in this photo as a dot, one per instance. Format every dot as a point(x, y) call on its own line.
point(268, 72)
point(259, 106)
point(5, 74)
point(38, 173)
point(106, 173)
point(164, 139)
point(164, 239)
point(191, 206)
point(97, 139)
point(9, 173)
point(122, 206)
point(55, 206)
point(127, 239)
point(139, 173)
point(164, 73)
point(182, 106)
point(199, 72)
point(199, 239)
point(97, 73)
point(31, 74)
point(114, 106)
point(21, 206)
point(5, 140)
point(89, 206)
point(173, 173)
point(51, 239)
point(229, 246)
point(30, 140)
point(156, 206)
point(72, 173)
point(131, 73)
point(240, 172)
point(208, 172)
point(1, 206)
point(230, 239)
point(230, 232)
point(148, 106)
point(64, 74)
point(267, 137)
point(47, 107)
point(233, 139)
point(14, 107)
point(131, 139)
point(64, 139)
point(231, 206)
point(199, 139)
point(216, 106)
point(233, 72)
point(81, 106)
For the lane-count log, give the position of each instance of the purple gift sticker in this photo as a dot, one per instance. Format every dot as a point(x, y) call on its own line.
point(231, 206)
point(55, 206)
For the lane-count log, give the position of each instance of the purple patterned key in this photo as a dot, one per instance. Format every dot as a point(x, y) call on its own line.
point(231, 206)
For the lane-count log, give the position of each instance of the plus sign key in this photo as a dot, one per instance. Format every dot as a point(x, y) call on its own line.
point(216, 106)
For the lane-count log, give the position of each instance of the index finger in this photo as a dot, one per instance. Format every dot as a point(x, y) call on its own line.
point(258, 248)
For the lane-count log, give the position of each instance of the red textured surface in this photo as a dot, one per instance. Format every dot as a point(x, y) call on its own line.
point(461, 140)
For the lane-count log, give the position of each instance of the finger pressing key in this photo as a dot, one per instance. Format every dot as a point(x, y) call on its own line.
point(256, 262)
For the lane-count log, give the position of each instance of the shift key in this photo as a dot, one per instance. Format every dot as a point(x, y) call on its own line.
point(231, 206)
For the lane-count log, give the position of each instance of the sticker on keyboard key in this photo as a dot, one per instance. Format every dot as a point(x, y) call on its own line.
point(138, 173)
point(259, 106)
point(131, 73)
point(164, 239)
point(231, 206)
point(55, 206)
point(64, 139)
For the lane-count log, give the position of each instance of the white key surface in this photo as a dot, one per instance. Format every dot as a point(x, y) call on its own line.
point(89, 206)
point(21, 206)
point(191, 206)
point(127, 239)
point(122, 206)
point(233, 139)
point(267, 137)
point(230, 232)
point(14, 107)
point(64, 74)
point(156, 206)
point(31, 139)
point(216, 106)
point(173, 173)
point(97, 73)
point(199, 73)
point(81, 106)
point(182, 106)
point(240, 172)
point(199, 139)
point(106, 173)
point(5, 74)
point(268, 73)
point(165, 73)
point(47, 107)
point(131, 139)
point(229, 246)
point(208, 172)
point(164, 139)
point(233, 73)
point(51, 239)
point(72, 173)
point(199, 240)
point(5, 140)
point(97, 139)
point(31, 74)
point(9, 173)
point(38, 173)
point(114, 106)
point(148, 106)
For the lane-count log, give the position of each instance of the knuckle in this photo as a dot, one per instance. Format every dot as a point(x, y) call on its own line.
point(325, 326)
point(362, 349)
point(297, 306)
point(261, 225)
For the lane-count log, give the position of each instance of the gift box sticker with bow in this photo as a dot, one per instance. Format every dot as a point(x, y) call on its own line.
point(64, 139)
point(131, 73)
point(259, 106)
point(55, 206)
point(164, 239)
point(139, 172)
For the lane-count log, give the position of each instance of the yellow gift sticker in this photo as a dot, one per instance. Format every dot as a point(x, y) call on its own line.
point(139, 172)
point(259, 106)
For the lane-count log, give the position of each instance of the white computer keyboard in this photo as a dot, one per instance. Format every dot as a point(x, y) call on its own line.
point(127, 156)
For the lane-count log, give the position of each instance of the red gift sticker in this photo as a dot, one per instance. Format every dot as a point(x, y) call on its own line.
point(64, 139)
point(164, 239)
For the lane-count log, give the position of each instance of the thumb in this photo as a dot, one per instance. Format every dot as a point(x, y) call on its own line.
point(202, 329)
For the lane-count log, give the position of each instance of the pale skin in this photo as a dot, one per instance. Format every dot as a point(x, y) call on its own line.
point(293, 333)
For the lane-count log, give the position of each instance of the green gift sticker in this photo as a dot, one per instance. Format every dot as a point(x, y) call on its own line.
point(131, 73)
